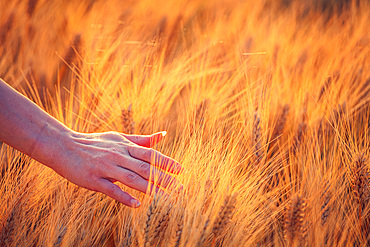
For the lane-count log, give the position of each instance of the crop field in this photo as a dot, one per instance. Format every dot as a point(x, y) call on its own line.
point(266, 104)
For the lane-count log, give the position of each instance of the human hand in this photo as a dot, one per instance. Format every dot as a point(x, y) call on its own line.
point(92, 161)
point(96, 161)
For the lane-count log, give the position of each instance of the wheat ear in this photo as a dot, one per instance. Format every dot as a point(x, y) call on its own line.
point(152, 214)
point(224, 217)
point(173, 40)
point(178, 231)
point(73, 50)
point(280, 124)
point(128, 124)
point(31, 6)
point(6, 232)
point(325, 208)
point(359, 180)
point(300, 134)
point(70, 56)
point(6, 27)
point(161, 227)
point(294, 217)
point(201, 112)
point(256, 138)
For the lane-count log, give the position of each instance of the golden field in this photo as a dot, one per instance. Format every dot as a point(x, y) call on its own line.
point(266, 104)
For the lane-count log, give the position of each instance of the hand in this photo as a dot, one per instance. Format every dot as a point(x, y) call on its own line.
point(92, 161)
point(96, 161)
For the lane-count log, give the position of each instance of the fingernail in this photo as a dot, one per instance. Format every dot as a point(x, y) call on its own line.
point(163, 133)
point(135, 203)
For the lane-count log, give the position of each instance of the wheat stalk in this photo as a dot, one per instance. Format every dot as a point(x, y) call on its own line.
point(365, 95)
point(128, 124)
point(173, 40)
point(31, 6)
point(6, 27)
point(325, 86)
point(62, 231)
point(208, 195)
point(70, 56)
point(149, 222)
point(359, 177)
point(178, 230)
point(139, 235)
point(294, 217)
point(6, 232)
point(325, 208)
point(225, 214)
point(73, 50)
point(300, 134)
point(257, 138)
point(279, 128)
point(157, 223)
point(89, 6)
point(327, 127)
point(338, 113)
point(201, 112)
point(161, 28)
point(161, 226)
point(203, 236)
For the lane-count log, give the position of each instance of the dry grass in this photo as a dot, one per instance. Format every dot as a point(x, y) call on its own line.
point(266, 104)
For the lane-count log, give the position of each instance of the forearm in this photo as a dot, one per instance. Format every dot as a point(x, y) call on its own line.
point(29, 129)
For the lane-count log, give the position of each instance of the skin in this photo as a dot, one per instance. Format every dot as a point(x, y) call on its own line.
point(94, 161)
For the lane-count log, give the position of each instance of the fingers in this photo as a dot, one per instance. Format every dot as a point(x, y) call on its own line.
point(133, 180)
point(146, 140)
point(155, 158)
point(115, 192)
point(150, 173)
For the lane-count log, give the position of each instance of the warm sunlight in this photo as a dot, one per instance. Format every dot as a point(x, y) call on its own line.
point(266, 105)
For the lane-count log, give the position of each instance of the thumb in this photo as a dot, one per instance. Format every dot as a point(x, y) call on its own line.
point(146, 140)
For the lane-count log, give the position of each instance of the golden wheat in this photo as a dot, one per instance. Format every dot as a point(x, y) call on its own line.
point(197, 69)
point(294, 220)
point(224, 217)
point(257, 136)
point(127, 120)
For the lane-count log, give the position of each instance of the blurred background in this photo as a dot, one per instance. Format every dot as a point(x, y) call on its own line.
point(266, 104)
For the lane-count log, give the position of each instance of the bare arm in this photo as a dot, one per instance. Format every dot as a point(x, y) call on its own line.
point(23, 125)
point(92, 161)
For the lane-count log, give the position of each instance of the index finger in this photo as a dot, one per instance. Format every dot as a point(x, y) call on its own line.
point(155, 158)
point(115, 192)
point(146, 140)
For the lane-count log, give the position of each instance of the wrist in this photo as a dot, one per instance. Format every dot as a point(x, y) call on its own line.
point(50, 144)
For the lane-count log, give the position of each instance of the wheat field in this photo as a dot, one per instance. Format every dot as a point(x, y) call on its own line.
point(266, 104)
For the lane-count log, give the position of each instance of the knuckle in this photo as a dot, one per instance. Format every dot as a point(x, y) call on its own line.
point(147, 153)
point(144, 169)
point(131, 177)
point(93, 170)
point(104, 168)
point(94, 185)
point(109, 135)
point(130, 149)
point(114, 151)
point(111, 189)
point(117, 153)
point(124, 147)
